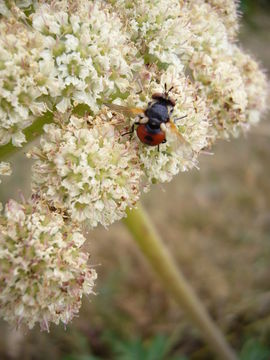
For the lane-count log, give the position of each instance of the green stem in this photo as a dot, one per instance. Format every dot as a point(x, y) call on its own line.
point(31, 132)
point(146, 236)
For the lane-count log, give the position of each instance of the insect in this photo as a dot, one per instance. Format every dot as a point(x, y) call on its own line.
point(152, 121)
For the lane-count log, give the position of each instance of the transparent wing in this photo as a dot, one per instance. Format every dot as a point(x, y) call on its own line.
point(129, 111)
point(177, 133)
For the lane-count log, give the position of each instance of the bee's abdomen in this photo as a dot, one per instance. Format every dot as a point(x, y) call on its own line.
point(149, 136)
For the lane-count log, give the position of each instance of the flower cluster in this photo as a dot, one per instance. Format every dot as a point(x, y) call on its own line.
point(160, 30)
point(90, 63)
point(228, 12)
point(43, 272)
point(193, 126)
point(89, 51)
point(81, 54)
point(21, 85)
point(66, 58)
point(216, 68)
point(255, 85)
point(198, 38)
point(85, 169)
point(221, 85)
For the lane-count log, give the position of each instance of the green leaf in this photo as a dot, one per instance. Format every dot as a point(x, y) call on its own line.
point(81, 357)
point(131, 350)
point(254, 350)
point(31, 132)
point(158, 348)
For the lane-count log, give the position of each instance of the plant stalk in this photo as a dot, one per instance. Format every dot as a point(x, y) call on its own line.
point(31, 132)
point(152, 246)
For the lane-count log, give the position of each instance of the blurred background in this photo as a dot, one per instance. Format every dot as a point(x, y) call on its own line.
point(216, 221)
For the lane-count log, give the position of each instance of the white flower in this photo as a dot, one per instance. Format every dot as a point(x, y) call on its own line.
point(228, 11)
point(221, 85)
point(81, 54)
point(91, 56)
point(43, 272)
point(161, 164)
point(19, 85)
point(66, 59)
point(160, 29)
point(74, 57)
point(86, 168)
point(255, 82)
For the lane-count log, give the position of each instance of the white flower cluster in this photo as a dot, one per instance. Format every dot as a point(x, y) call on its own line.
point(159, 29)
point(255, 85)
point(174, 155)
point(210, 35)
point(88, 51)
point(227, 10)
point(221, 85)
point(216, 69)
point(64, 59)
point(43, 272)
point(21, 84)
point(74, 58)
point(198, 38)
point(81, 54)
point(85, 169)
point(15, 8)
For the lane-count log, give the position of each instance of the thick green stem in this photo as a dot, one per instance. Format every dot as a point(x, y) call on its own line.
point(146, 236)
point(31, 132)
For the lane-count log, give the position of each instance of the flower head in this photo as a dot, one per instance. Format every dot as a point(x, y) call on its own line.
point(181, 149)
point(160, 30)
point(221, 85)
point(255, 83)
point(229, 13)
point(71, 58)
point(89, 52)
point(66, 58)
point(86, 168)
point(43, 272)
point(20, 92)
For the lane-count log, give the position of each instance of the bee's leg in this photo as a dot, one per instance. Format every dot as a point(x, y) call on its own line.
point(132, 129)
point(158, 148)
point(182, 117)
point(129, 132)
point(140, 120)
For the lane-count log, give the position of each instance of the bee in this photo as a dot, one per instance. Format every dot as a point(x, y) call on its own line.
point(152, 122)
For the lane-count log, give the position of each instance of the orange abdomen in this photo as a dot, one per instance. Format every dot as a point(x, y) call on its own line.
point(152, 138)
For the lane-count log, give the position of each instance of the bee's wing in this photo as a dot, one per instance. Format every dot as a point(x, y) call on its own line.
point(177, 133)
point(129, 111)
